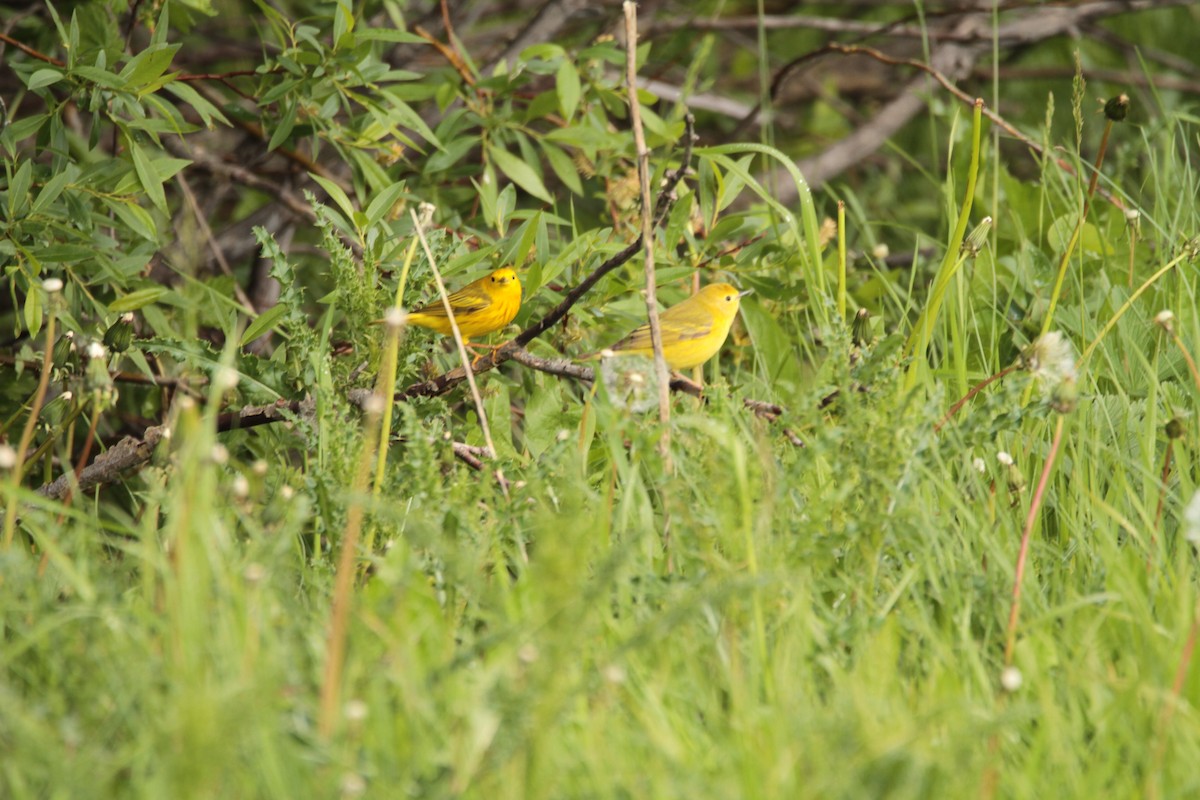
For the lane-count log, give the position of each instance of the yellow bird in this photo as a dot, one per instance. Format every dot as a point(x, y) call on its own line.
point(480, 307)
point(692, 331)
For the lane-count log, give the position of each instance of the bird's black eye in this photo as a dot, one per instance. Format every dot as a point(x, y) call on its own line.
point(728, 297)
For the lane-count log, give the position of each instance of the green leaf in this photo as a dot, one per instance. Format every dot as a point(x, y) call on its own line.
point(44, 77)
point(148, 176)
point(22, 129)
point(53, 188)
point(388, 35)
point(33, 310)
point(207, 111)
point(485, 189)
point(519, 172)
point(101, 77)
point(18, 189)
point(563, 167)
point(567, 82)
point(136, 218)
point(336, 194)
point(286, 123)
point(148, 65)
point(343, 24)
point(263, 322)
point(403, 114)
point(383, 202)
point(135, 300)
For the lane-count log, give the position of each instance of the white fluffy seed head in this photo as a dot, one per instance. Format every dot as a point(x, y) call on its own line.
point(1164, 319)
point(1004, 458)
point(96, 350)
point(373, 404)
point(225, 378)
point(356, 711)
point(1011, 679)
point(1191, 519)
point(8, 457)
point(395, 318)
point(52, 285)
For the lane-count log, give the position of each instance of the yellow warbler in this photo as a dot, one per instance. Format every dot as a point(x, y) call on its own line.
point(692, 331)
point(480, 307)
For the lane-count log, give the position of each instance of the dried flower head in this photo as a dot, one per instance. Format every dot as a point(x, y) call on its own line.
point(1051, 360)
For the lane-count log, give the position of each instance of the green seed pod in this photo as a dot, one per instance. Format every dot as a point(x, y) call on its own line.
point(119, 335)
point(977, 238)
point(1117, 108)
point(64, 349)
point(58, 409)
point(860, 331)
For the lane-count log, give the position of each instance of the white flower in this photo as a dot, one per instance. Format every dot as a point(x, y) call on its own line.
point(52, 285)
point(1191, 519)
point(980, 465)
point(1132, 214)
point(240, 486)
point(8, 457)
point(880, 252)
point(1004, 458)
point(260, 467)
point(219, 453)
point(1011, 679)
point(1164, 318)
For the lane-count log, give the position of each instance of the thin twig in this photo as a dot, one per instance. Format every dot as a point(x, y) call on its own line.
point(133, 452)
point(190, 198)
point(1010, 639)
point(182, 383)
point(35, 408)
point(455, 332)
point(643, 165)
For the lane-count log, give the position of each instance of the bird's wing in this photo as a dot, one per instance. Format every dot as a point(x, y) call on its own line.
point(467, 300)
point(677, 324)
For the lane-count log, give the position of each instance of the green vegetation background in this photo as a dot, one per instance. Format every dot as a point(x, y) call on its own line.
point(815, 604)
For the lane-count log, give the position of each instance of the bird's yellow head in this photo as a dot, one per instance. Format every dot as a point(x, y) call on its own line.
point(722, 299)
point(503, 279)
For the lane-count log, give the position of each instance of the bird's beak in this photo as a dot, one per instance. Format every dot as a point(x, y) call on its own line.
point(743, 294)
